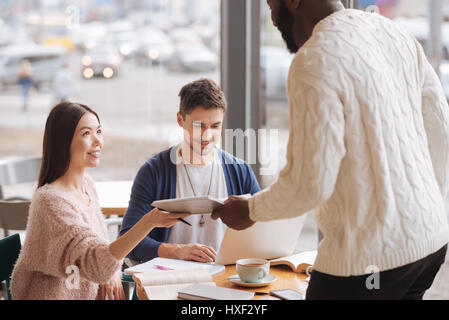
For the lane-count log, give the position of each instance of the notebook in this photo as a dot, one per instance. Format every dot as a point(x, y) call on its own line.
point(162, 264)
point(201, 291)
point(165, 285)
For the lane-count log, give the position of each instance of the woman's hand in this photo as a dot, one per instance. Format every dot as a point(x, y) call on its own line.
point(196, 252)
point(113, 289)
point(163, 219)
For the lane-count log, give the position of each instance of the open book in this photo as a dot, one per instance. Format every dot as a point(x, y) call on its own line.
point(165, 285)
point(297, 262)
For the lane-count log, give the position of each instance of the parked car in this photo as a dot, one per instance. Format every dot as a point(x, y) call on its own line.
point(275, 63)
point(102, 61)
point(185, 36)
point(193, 58)
point(120, 26)
point(18, 36)
point(45, 61)
point(126, 43)
point(155, 47)
point(6, 34)
point(123, 35)
point(89, 35)
point(51, 30)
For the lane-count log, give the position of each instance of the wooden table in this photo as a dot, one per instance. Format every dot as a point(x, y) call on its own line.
point(113, 196)
point(286, 279)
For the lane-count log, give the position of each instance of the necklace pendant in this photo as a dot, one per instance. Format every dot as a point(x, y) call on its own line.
point(202, 221)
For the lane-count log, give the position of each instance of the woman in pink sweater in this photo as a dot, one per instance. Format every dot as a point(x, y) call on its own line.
point(66, 254)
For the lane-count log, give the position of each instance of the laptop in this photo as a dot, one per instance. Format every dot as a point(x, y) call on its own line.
point(266, 240)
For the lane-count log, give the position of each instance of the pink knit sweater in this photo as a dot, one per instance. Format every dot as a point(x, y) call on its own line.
point(63, 237)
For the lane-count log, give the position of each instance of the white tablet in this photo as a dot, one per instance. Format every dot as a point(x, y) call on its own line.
point(193, 205)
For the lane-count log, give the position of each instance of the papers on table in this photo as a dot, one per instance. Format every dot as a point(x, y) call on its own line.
point(204, 291)
point(193, 284)
point(162, 264)
point(166, 285)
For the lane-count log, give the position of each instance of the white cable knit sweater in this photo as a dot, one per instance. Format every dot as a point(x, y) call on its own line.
point(368, 146)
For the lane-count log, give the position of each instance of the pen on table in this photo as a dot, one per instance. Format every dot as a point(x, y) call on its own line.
point(183, 221)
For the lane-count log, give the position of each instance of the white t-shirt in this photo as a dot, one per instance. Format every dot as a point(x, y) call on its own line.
point(211, 233)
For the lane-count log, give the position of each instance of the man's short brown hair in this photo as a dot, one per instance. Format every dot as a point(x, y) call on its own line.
point(203, 92)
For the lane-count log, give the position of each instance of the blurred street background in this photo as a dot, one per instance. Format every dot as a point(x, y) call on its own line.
point(129, 59)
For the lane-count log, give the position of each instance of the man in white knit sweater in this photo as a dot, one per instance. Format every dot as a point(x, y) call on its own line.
point(368, 150)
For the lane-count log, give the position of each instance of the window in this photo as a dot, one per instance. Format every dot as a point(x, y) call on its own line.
point(137, 99)
point(427, 21)
point(419, 17)
point(275, 63)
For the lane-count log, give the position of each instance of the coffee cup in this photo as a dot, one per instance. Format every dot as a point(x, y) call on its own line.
point(253, 270)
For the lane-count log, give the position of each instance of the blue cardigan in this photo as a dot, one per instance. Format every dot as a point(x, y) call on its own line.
point(156, 180)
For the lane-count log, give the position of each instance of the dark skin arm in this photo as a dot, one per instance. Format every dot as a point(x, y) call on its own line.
point(234, 213)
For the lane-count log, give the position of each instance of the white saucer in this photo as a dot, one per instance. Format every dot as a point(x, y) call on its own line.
point(236, 280)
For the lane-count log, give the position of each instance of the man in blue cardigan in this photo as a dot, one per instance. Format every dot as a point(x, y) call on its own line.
point(195, 167)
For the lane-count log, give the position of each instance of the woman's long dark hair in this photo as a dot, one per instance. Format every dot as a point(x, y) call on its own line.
point(59, 132)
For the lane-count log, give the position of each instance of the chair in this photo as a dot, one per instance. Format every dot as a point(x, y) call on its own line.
point(13, 215)
point(19, 171)
point(114, 221)
point(127, 281)
point(9, 252)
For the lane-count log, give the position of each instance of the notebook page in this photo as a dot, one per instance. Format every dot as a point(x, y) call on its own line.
point(300, 258)
point(174, 264)
point(168, 292)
